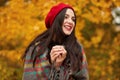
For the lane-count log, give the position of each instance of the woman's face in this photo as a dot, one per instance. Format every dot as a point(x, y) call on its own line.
point(69, 22)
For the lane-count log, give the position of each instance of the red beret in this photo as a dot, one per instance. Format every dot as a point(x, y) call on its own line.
point(54, 11)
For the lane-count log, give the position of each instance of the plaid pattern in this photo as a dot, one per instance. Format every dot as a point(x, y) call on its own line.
point(42, 67)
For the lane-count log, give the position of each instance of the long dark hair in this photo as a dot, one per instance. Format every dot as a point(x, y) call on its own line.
point(56, 32)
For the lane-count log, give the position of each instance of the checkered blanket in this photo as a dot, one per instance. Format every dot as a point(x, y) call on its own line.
point(42, 67)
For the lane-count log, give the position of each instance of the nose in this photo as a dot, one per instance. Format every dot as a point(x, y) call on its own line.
point(70, 21)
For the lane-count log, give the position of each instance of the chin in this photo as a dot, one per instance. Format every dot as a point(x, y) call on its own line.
point(67, 34)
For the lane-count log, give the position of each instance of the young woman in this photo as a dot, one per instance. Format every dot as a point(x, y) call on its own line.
point(56, 54)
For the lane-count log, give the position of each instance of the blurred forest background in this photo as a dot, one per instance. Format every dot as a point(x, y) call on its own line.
point(23, 20)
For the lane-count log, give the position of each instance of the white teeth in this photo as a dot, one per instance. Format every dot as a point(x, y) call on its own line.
point(68, 27)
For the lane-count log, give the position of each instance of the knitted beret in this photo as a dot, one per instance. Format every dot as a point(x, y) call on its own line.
point(54, 11)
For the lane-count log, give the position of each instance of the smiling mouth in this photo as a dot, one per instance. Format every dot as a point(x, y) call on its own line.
point(68, 27)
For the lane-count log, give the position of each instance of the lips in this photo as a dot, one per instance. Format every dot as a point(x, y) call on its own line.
point(68, 27)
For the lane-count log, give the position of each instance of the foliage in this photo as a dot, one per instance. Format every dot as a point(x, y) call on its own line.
point(20, 23)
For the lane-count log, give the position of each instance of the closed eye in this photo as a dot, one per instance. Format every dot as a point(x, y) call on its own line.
point(74, 19)
point(66, 16)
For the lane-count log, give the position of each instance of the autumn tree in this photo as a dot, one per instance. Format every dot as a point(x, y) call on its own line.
point(23, 20)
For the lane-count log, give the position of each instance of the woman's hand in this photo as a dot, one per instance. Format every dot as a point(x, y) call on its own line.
point(57, 55)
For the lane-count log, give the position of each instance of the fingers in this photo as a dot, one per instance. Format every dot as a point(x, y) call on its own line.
point(60, 49)
point(54, 56)
point(58, 46)
point(58, 52)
